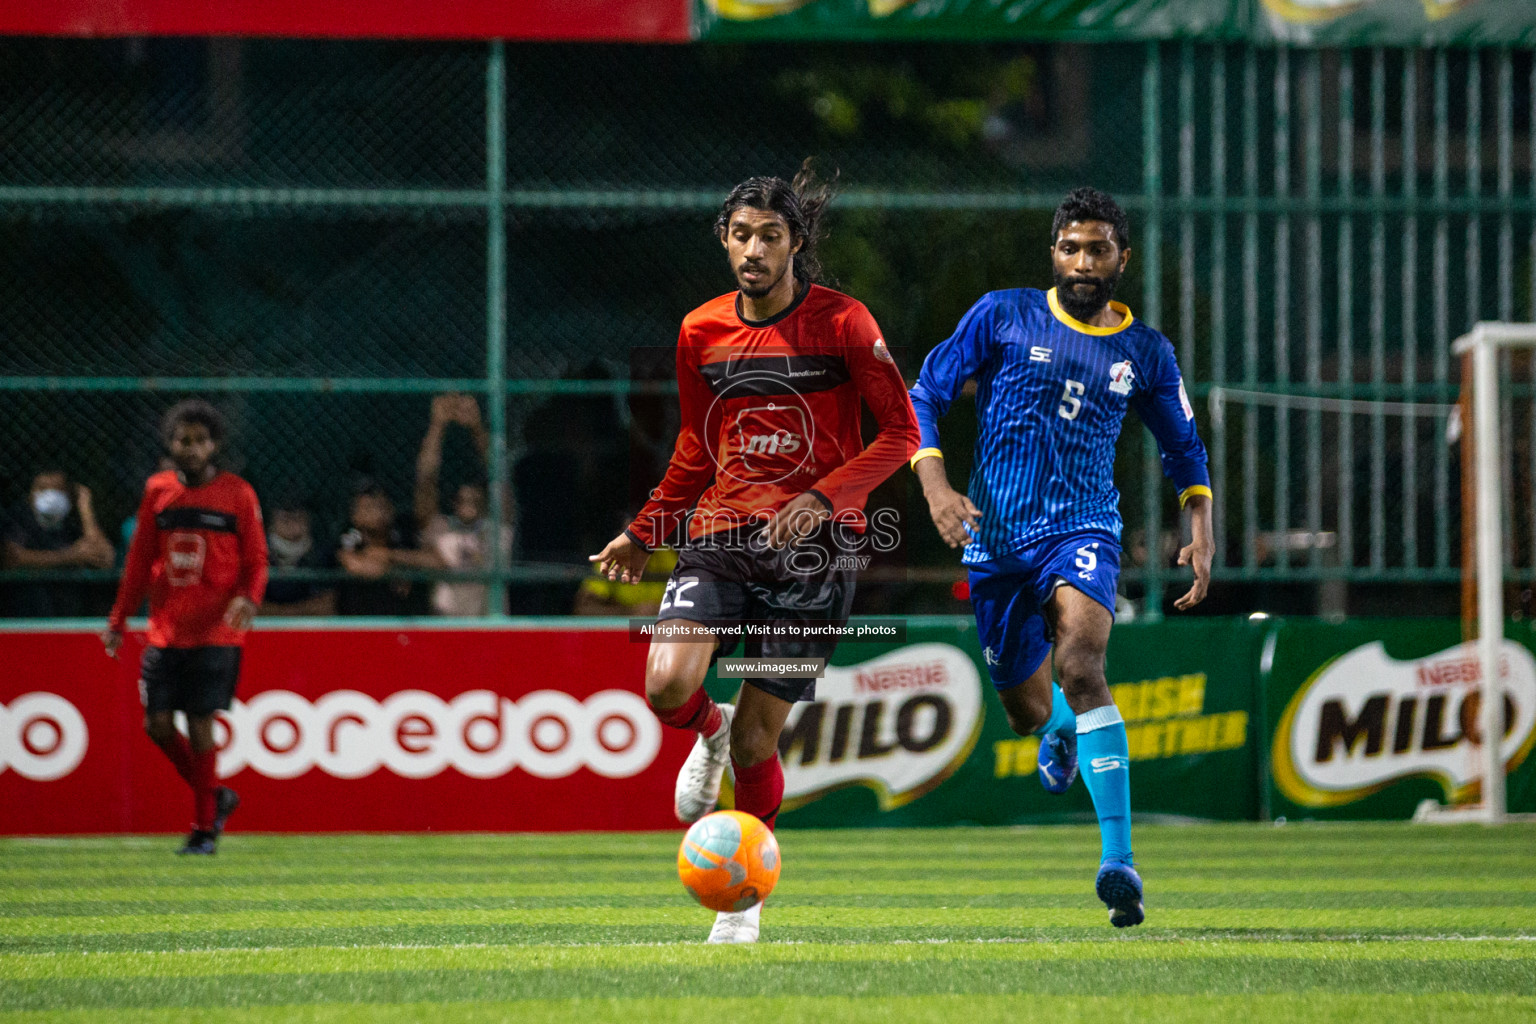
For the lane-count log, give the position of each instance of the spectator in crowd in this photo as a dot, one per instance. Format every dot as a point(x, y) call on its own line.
point(55, 528)
point(462, 538)
point(373, 544)
point(573, 481)
point(291, 545)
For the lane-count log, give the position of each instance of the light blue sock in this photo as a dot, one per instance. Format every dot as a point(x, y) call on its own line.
point(1106, 766)
point(1062, 719)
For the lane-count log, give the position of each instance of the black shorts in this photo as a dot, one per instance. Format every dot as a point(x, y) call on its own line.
point(731, 577)
point(197, 680)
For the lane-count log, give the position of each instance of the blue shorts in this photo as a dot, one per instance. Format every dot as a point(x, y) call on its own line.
point(1008, 594)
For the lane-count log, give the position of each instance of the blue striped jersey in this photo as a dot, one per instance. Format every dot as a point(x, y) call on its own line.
point(1051, 393)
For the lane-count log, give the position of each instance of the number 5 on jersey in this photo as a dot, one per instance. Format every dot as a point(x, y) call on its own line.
point(1071, 405)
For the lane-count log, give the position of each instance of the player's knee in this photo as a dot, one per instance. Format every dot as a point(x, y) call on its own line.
point(667, 688)
point(752, 742)
point(200, 734)
point(1081, 670)
point(669, 682)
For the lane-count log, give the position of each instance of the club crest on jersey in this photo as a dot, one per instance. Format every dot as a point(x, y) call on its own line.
point(881, 352)
point(185, 554)
point(1120, 377)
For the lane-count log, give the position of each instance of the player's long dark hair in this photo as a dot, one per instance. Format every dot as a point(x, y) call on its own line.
point(800, 202)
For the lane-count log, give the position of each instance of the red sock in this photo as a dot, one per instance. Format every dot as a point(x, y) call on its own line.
point(205, 779)
point(698, 713)
point(179, 752)
point(760, 789)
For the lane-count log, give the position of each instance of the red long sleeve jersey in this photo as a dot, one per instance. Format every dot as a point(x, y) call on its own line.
point(770, 411)
point(194, 550)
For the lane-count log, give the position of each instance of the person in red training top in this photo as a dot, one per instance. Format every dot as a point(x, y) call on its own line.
point(766, 486)
point(200, 553)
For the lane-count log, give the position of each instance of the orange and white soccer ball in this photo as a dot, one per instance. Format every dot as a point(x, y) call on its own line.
point(729, 861)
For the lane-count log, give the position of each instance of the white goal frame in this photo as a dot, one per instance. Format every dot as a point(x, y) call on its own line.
point(1485, 341)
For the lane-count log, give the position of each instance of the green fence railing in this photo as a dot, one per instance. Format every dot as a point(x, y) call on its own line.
point(322, 235)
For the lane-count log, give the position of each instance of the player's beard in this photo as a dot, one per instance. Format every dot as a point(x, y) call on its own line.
point(1075, 304)
point(757, 291)
point(194, 471)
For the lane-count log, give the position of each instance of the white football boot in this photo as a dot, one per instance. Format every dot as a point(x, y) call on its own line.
point(740, 927)
point(698, 783)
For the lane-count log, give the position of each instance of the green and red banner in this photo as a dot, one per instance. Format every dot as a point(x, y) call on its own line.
point(542, 725)
point(1307, 22)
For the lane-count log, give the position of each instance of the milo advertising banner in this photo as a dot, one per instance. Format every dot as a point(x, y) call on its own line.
point(913, 733)
point(1310, 22)
point(1370, 718)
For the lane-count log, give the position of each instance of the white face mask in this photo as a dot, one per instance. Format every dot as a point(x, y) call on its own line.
point(285, 552)
point(50, 506)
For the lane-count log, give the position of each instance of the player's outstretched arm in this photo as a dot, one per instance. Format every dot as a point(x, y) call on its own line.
point(622, 559)
point(1199, 551)
point(953, 513)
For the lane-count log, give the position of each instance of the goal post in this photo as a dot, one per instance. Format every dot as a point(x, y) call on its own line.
point(1483, 344)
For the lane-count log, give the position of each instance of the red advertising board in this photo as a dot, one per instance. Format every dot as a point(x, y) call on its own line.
point(350, 730)
point(613, 20)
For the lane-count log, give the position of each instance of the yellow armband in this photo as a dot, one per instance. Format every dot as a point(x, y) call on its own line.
point(923, 453)
point(1190, 492)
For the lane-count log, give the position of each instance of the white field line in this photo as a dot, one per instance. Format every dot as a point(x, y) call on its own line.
point(1363, 938)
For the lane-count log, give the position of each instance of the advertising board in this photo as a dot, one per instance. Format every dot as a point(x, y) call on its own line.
point(1311, 22)
point(1371, 717)
point(350, 729)
point(610, 20)
point(916, 735)
point(545, 728)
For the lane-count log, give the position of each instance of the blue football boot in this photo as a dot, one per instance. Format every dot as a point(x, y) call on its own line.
point(1058, 761)
point(1119, 886)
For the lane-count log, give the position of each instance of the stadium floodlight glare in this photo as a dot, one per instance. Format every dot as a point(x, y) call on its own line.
point(1484, 342)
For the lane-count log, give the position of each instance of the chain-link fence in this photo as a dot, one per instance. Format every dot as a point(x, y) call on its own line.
point(321, 236)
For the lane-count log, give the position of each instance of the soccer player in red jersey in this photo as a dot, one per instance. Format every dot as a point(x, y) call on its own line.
point(200, 553)
point(766, 487)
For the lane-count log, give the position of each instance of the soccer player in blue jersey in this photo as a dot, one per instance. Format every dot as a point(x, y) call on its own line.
point(1055, 372)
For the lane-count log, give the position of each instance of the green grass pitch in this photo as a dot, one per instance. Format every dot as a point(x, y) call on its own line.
point(1245, 923)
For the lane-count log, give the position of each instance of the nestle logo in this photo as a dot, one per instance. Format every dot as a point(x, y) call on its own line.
point(902, 677)
point(1459, 670)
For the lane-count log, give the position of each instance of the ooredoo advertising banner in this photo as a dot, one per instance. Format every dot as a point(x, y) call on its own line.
point(628, 20)
point(361, 729)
